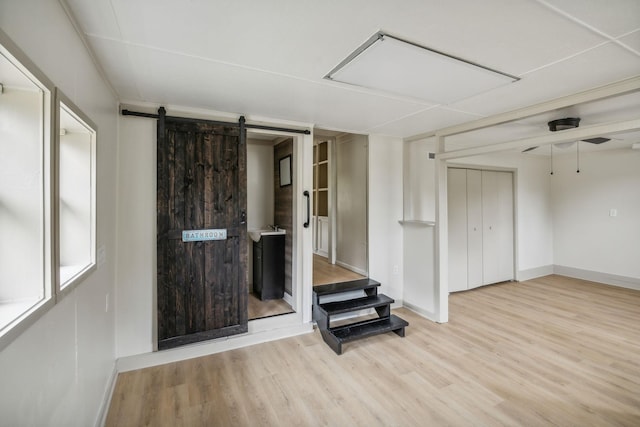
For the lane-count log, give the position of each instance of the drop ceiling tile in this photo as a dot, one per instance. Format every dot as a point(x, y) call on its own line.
point(202, 84)
point(292, 38)
point(493, 135)
point(632, 40)
point(513, 36)
point(430, 119)
point(307, 39)
point(95, 17)
point(613, 17)
point(114, 57)
point(596, 67)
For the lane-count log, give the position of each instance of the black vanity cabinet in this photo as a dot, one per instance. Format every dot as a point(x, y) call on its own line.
point(268, 267)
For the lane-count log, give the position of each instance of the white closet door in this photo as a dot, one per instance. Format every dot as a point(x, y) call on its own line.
point(475, 238)
point(504, 233)
point(457, 217)
point(497, 226)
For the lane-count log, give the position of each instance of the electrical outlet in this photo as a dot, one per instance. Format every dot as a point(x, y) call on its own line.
point(613, 212)
point(396, 269)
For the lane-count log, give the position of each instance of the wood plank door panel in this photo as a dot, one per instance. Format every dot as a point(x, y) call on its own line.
point(201, 185)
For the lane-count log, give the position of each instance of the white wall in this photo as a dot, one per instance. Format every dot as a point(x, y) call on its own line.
point(586, 237)
point(58, 371)
point(419, 238)
point(351, 202)
point(419, 180)
point(136, 280)
point(259, 185)
point(385, 209)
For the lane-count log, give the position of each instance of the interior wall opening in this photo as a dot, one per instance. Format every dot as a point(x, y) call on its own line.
point(270, 225)
point(340, 207)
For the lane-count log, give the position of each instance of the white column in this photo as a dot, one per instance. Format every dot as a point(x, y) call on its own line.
point(442, 241)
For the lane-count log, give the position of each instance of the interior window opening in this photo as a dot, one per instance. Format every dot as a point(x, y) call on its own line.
point(25, 280)
point(76, 171)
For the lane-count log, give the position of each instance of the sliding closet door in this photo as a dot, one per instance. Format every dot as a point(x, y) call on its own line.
point(497, 231)
point(457, 208)
point(474, 229)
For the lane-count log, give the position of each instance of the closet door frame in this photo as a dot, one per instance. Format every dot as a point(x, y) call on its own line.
point(514, 172)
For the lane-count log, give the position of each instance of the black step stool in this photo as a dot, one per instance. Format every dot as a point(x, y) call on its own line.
point(336, 336)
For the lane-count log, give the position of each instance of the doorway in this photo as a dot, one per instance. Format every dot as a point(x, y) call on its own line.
point(340, 216)
point(270, 225)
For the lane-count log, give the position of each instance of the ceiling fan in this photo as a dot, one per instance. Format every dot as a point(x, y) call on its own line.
point(569, 123)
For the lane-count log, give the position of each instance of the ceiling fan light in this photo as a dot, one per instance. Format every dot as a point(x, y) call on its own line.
point(564, 124)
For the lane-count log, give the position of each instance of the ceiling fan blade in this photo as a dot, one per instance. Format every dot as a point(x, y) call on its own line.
point(597, 140)
point(529, 149)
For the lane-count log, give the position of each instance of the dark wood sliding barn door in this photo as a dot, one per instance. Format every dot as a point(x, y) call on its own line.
point(201, 184)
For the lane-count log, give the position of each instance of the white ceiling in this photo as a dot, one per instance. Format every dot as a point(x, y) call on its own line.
point(268, 58)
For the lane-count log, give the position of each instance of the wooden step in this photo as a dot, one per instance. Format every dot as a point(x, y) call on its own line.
point(367, 328)
point(335, 337)
point(338, 307)
point(337, 288)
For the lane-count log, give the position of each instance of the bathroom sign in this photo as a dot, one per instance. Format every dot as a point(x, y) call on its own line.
point(203, 235)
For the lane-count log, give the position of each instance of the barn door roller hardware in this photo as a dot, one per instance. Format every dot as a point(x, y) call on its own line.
point(126, 112)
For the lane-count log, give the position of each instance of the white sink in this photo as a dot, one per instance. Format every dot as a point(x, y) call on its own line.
point(257, 234)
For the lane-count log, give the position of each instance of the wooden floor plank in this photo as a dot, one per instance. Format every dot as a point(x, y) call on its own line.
point(324, 273)
point(550, 351)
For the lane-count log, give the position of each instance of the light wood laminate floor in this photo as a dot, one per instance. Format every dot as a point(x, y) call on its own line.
point(551, 351)
point(259, 309)
point(324, 273)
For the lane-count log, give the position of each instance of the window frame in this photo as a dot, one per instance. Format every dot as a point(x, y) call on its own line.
point(62, 289)
point(20, 60)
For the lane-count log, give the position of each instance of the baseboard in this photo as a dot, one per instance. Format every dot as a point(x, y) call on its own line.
point(146, 360)
point(596, 276)
point(534, 273)
point(103, 411)
point(421, 311)
point(352, 268)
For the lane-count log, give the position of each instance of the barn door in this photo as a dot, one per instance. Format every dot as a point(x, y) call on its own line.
point(202, 251)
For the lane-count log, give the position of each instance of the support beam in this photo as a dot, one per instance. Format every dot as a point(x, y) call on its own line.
point(570, 135)
point(607, 91)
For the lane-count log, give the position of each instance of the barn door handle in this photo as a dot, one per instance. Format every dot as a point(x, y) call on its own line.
point(243, 217)
point(306, 194)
